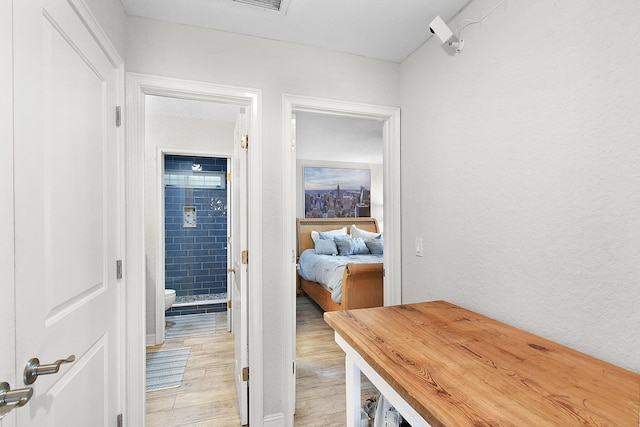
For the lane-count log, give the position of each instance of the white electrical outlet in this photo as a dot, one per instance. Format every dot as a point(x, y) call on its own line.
point(419, 246)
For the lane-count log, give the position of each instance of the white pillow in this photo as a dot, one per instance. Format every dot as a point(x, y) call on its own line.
point(315, 235)
point(364, 234)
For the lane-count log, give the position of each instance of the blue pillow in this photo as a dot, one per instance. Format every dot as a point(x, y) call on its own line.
point(351, 246)
point(326, 247)
point(376, 246)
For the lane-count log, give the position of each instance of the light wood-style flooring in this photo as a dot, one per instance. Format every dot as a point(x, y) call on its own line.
point(320, 388)
point(207, 396)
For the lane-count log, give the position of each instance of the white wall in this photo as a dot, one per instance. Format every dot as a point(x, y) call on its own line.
point(191, 134)
point(324, 140)
point(275, 68)
point(328, 137)
point(521, 171)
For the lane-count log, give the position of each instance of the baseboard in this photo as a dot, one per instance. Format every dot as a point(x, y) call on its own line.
point(274, 420)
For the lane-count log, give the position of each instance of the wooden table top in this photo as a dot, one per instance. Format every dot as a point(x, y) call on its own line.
point(459, 368)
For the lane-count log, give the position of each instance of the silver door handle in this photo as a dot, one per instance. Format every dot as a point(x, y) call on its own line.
point(34, 368)
point(10, 399)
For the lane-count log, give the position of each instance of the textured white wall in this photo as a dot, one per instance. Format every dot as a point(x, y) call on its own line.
point(275, 68)
point(521, 171)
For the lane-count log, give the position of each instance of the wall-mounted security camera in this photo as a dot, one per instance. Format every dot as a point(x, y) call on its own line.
point(450, 43)
point(440, 29)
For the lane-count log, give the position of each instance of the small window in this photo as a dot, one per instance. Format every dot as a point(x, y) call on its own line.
point(215, 180)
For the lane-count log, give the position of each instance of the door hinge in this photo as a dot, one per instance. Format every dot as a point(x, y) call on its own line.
point(294, 367)
point(229, 176)
point(119, 424)
point(244, 141)
point(245, 374)
point(245, 257)
point(118, 116)
point(229, 304)
point(119, 269)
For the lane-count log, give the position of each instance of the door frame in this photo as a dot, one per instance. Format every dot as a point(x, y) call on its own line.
point(160, 247)
point(139, 85)
point(390, 116)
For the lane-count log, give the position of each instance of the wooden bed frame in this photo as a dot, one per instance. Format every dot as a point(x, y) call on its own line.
point(362, 284)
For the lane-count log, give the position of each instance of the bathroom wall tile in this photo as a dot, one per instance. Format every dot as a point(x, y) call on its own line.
point(196, 257)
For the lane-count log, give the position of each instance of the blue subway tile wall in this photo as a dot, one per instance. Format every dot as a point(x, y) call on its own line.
point(196, 257)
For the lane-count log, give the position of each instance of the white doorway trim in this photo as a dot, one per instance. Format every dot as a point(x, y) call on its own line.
point(391, 189)
point(139, 85)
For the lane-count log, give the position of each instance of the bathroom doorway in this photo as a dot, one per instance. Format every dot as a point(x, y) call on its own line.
point(189, 156)
point(140, 256)
point(188, 147)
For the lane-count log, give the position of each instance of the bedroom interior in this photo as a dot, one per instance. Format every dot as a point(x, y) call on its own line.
point(319, 136)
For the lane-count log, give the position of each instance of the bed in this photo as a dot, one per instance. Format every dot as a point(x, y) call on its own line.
point(361, 283)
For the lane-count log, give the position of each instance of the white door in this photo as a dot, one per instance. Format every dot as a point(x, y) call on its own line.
point(67, 217)
point(7, 316)
point(239, 239)
point(230, 223)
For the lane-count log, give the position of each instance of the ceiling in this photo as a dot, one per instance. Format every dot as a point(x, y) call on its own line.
point(383, 29)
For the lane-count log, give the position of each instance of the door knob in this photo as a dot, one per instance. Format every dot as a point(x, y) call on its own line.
point(34, 368)
point(10, 399)
point(231, 270)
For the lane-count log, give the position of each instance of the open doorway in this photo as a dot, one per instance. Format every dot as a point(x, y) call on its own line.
point(389, 118)
point(138, 87)
point(190, 146)
point(339, 175)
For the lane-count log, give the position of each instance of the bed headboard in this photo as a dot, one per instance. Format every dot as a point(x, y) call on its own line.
point(306, 225)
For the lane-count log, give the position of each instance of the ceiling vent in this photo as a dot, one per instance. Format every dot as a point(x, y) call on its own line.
point(275, 5)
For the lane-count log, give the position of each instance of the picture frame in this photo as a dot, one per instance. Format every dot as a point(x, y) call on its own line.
point(333, 192)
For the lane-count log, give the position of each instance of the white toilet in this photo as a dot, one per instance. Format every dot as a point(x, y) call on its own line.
point(169, 298)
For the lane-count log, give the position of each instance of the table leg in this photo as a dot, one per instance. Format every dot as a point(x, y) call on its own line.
point(353, 392)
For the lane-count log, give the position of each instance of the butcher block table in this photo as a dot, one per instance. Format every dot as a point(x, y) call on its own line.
point(443, 365)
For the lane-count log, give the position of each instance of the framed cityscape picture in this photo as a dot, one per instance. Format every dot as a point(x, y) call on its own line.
point(336, 192)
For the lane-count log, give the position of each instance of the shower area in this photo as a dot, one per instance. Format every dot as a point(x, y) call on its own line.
point(196, 233)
